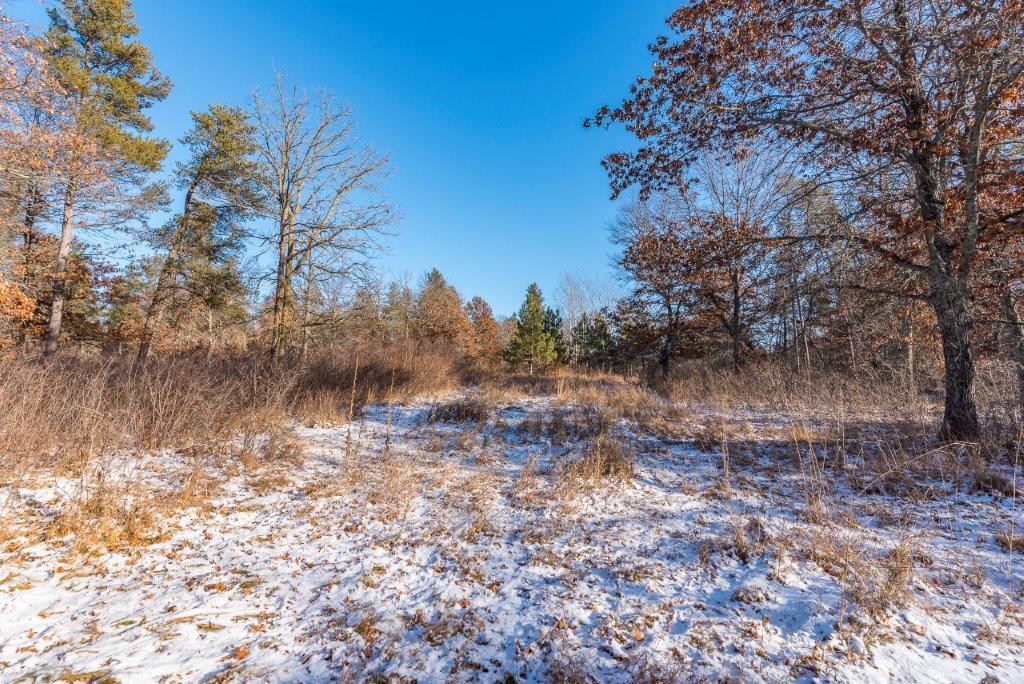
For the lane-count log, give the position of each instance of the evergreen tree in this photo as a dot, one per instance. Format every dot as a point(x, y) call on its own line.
point(366, 316)
point(399, 308)
point(218, 180)
point(637, 334)
point(594, 340)
point(109, 81)
point(554, 325)
point(208, 264)
point(532, 348)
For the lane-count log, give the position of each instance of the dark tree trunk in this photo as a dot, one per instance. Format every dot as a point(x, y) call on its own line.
point(911, 351)
point(960, 418)
point(283, 284)
point(736, 327)
point(665, 358)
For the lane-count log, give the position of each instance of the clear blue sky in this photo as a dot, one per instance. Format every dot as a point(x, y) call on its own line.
point(479, 105)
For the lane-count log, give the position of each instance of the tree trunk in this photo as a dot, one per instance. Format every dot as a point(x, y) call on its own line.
point(665, 357)
point(1016, 342)
point(960, 418)
point(33, 210)
point(60, 279)
point(909, 344)
point(306, 298)
point(802, 334)
point(30, 236)
point(735, 328)
point(950, 291)
point(278, 336)
point(155, 308)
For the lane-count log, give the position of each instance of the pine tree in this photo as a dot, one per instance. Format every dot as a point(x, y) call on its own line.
point(532, 348)
point(218, 180)
point(595, 341)
point(366, 316)
point(207, 266)
point(554, 325)
point(399, 308)
point(109, 81)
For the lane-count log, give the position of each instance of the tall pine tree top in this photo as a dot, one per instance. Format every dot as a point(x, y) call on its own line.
point(220, 167)
point(108, 77)
point(532, 347)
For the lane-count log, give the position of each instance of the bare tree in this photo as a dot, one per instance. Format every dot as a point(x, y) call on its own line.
point(580, 295)
point(323, 197)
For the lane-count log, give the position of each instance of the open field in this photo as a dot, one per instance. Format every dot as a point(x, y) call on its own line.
point(576, 529)
point(563, 342)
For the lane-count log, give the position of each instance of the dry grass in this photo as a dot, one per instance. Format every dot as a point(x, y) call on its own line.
point(87, 418)
point(568, 422)
point(472, 408)
point(1010, 540)
point(105, 517)
point(91, 419)
point(775, 386)
point(604, 459)
point(875, 583)
point(570, 669)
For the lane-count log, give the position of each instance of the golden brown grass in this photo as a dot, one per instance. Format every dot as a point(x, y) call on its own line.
point(875, 583)
point(79, 417)
point(90, 418)
point(471, 408)
point(604, 459)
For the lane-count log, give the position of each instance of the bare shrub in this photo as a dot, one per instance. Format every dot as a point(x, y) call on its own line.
point(395, 374)
point(394, 485)
point(284, 446)
point(76, 407)
point(104, 515)
point(471, 408)
point(604, 459)
point(570, 669)
point(989, 481)
point(745, 539)
point(712, 434)
point(568, 422)
point(775, 386)
point(876, 583)
point(1010, 540)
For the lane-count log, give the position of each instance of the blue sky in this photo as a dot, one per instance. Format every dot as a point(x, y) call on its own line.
point(479, 105)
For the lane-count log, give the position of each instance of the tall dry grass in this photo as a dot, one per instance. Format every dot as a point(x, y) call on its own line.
point(777, 385)
point(59, 411)
point(78, 417)
point(88, 419)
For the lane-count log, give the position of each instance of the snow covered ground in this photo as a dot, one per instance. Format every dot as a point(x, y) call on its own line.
point(409, 549)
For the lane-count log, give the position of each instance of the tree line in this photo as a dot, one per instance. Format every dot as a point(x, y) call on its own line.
point(278, 215)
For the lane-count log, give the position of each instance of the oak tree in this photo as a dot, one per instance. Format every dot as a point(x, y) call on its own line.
point(919, 97)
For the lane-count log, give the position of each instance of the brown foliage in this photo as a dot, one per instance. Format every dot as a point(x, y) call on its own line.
point(909, 108)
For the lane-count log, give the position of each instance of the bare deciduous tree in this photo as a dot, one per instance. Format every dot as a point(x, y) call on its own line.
point(323, 196)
